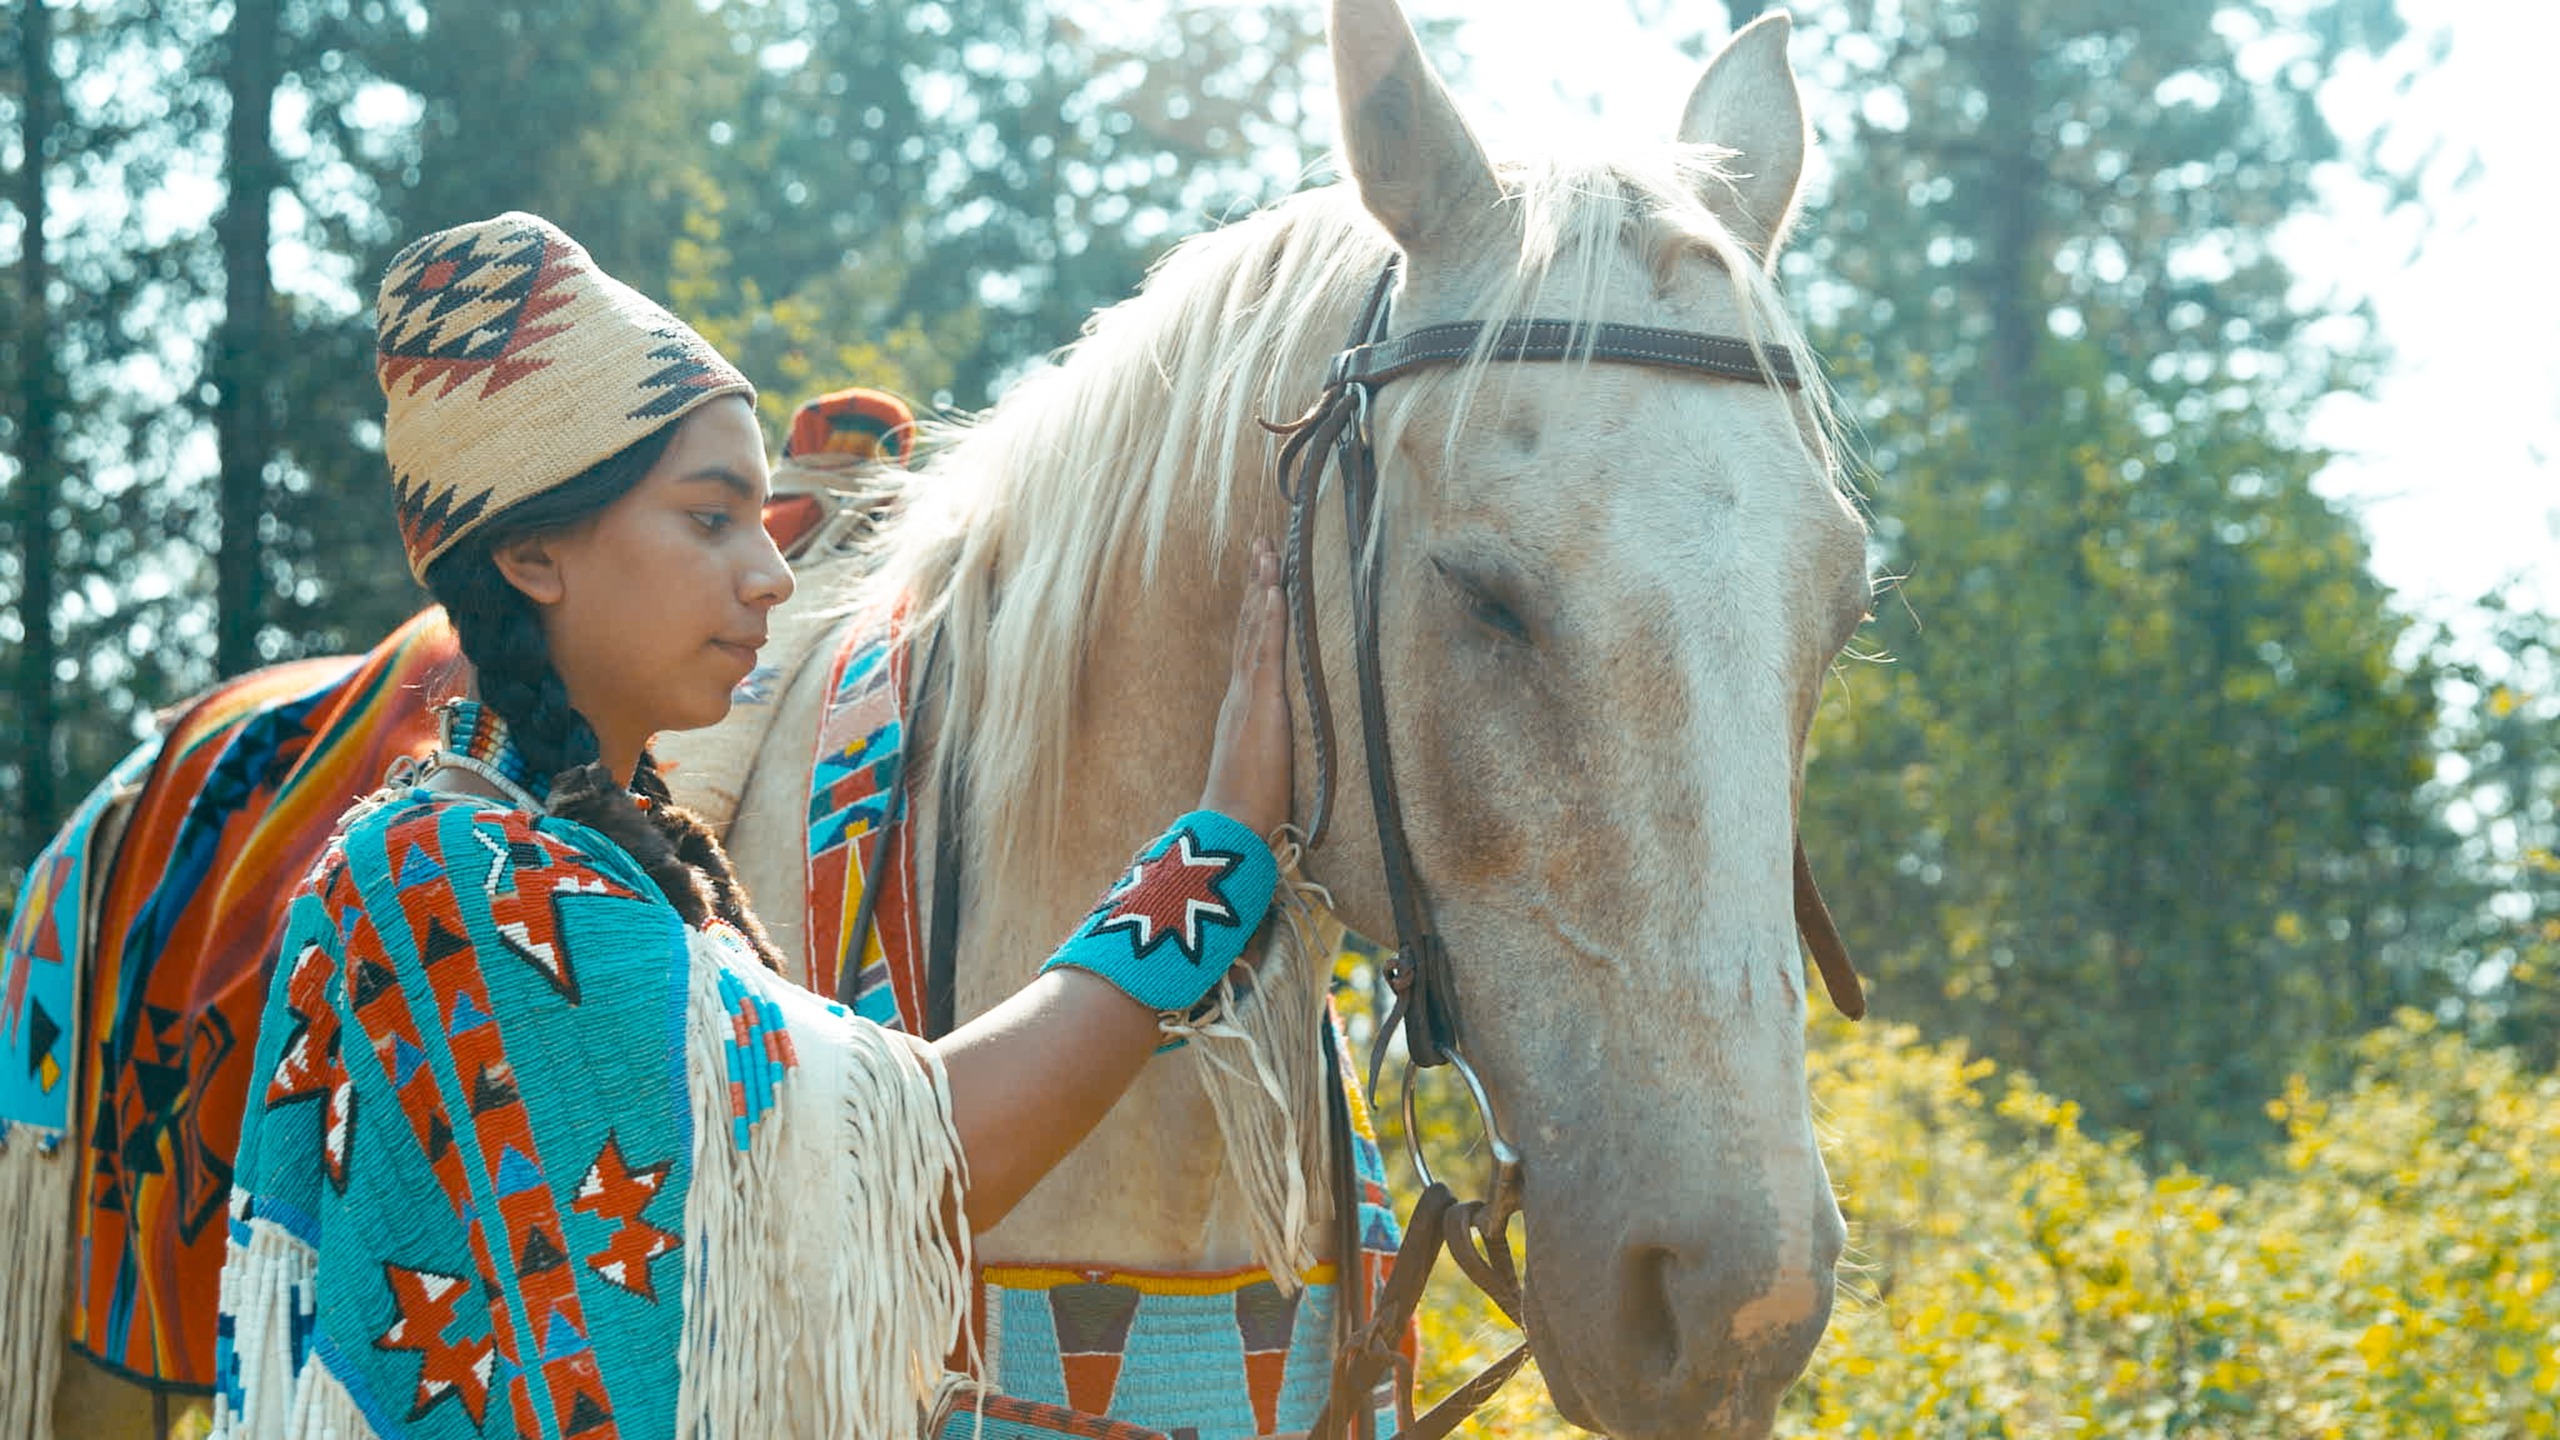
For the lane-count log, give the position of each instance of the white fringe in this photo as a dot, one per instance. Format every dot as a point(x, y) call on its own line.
point(38, 1171)
point(1262, 1064)
point(35, 1217)
point(827, 1264)
point(266, 1284)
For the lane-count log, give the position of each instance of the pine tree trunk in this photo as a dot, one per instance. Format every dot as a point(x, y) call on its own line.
point(240, 349)
point(2012, 203)
point(39, 482)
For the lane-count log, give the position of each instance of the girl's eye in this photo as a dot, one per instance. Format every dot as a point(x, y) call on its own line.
point(713, 521)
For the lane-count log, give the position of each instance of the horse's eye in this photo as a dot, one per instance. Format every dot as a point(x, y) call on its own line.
point(1487, 608)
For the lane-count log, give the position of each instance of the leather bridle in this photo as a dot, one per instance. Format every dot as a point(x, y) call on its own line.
point(1336, 429)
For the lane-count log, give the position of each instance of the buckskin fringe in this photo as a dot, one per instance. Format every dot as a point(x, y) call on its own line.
point(268, 1284)
point(1262, 1067)
point(35, 1214)
point(827, 1258)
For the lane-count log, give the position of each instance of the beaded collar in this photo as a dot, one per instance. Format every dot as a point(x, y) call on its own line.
point(472, 737)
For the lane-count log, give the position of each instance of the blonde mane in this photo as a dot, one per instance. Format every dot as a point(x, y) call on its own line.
point(1145, 430)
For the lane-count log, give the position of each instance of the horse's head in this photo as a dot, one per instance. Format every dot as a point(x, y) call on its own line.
point(1611, 594)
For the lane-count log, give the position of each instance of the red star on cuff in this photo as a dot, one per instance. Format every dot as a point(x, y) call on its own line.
point(1170, 897)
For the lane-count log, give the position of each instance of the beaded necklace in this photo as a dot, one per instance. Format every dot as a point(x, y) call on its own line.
point(472, 737)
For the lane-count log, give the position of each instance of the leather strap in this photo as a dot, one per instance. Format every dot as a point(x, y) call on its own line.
point(856, 942)
point(1311, 437)
point(1813, 922)
point(866, 914)
point(1420, 971)
point(1371, 1350)
point(1351, 1307)
point(1728, 357)
point(942, 929)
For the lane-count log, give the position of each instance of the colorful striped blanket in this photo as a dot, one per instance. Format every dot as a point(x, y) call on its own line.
point(237, 798)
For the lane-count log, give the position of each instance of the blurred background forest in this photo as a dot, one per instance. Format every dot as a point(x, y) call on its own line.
point(2142, 782)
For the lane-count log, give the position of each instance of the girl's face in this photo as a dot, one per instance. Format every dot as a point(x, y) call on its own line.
point(655, 607)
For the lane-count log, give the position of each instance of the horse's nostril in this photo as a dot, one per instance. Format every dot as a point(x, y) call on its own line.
point(1652, 1319)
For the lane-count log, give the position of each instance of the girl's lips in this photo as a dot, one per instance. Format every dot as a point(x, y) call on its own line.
point(743, 653)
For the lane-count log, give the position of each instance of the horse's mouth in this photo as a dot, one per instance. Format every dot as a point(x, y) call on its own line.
point(1557, 1377)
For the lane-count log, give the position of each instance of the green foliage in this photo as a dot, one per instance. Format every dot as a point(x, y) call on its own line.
point(129, 298)
point(2138, 796)
point(837, 325)
point(2391, 1276)
point(1002, 166)
point(2502, 766)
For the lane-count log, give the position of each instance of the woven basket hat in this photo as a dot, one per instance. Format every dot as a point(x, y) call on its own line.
point(509, 364)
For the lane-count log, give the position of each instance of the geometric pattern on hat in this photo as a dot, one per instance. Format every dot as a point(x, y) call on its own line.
point(464, 307)
point(687, 368)
point(510, 364)
point(469, 305)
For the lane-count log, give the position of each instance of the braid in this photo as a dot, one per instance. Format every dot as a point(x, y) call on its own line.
point(502, 637)
point(696, 845)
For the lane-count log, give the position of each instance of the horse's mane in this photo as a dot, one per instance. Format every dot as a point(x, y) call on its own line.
point(1143, 431)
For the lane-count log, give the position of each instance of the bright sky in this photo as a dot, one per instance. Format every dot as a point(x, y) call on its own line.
point(2454, 461)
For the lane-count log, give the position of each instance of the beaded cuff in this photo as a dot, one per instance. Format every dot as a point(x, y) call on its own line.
point(1167, 931)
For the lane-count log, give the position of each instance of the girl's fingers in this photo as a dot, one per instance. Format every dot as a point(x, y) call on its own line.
point(1249, 615)
point(1275, 632)
point(1249, 750)
point(1253, 623)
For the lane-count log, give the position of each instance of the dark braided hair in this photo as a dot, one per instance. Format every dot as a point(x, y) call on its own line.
point(501, 635)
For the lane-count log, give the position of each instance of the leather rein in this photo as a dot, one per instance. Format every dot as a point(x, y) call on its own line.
point(1475, 1233)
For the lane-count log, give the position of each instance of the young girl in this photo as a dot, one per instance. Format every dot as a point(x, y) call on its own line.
point(542, 1145)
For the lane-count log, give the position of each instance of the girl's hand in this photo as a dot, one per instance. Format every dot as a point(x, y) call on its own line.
point(1249, 758)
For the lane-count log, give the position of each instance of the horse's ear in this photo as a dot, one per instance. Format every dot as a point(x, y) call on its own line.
point(1419, 169)
point(1747, 103)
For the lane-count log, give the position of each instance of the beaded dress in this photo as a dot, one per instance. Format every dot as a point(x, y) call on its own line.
point(525, 1154)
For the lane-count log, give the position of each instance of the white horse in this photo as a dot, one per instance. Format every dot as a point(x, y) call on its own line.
point(1611, 596)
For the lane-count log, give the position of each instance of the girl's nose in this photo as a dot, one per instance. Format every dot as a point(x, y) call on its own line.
point(768, 581)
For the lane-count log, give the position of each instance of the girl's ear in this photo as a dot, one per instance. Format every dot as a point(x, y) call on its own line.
point(531, 564)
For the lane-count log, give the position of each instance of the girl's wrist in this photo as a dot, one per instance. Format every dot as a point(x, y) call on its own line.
point(1180, 915)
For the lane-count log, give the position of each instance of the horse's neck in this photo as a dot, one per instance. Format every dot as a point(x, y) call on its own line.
point(1145, 1190)
point(1148, 1189)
